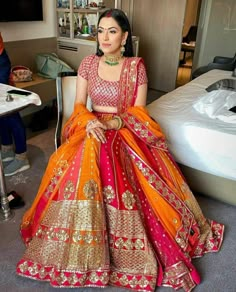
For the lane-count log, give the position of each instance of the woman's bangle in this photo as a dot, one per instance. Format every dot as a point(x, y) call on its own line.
point(120, 122)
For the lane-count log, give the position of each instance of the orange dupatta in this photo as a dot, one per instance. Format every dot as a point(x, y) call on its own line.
point(74, 133)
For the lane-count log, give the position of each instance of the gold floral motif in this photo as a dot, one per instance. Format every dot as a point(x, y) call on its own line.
point(198, 251)
point(139, 244)
point(33, 269)
point(119, 243)
point(51, 233)
point(72, 279)
point(128, 244)
point(93, 277)
point(62, 278)
point(24, 267)
point(133, 282)
point(90, 189)
point(76, 237)
point(143, 282)
point(59, 171)
point(42, 273)
point(54, 180)
point(137, 127)
point(144, 133)
point(108, 194)
point(151, 178)
point(51, 274)
point(62, 235)
point(39, 231)
point(104, 278)
point(50, 188)
point(114, 277)
point(82, 279)
point(124, 280)
point(88, 238)
point(141, 129)
point(209, 245)
point(69, 189)
point(128, 200)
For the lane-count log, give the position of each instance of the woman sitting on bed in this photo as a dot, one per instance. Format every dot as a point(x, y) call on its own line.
point(113, 207)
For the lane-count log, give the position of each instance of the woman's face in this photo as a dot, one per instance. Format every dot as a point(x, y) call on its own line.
point(110, 36)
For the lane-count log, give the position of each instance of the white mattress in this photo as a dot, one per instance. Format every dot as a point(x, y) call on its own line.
point(196, 140)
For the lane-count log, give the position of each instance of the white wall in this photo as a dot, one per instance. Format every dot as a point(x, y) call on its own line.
point(216, 34)
point(15, 31)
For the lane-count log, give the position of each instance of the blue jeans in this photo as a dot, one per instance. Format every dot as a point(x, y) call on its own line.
point(5, 68)
point(12, 131)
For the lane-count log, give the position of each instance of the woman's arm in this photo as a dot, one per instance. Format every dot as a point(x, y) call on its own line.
point(141, 98)
point(94, 127)
point(81, 90)
point(140, 101)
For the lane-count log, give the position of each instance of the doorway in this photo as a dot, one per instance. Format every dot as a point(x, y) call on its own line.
point(189, 35)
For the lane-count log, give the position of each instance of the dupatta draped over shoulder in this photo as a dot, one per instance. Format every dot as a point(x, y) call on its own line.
point(118, 213)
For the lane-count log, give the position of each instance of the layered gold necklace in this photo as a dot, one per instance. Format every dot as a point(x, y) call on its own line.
point(112, 60)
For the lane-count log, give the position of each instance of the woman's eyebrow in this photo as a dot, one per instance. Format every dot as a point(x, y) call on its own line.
point(112, 27)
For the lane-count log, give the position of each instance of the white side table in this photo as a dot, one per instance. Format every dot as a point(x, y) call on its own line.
point(8, 105)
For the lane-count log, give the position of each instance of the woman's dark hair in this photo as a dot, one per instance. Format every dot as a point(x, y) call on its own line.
point(122, 20)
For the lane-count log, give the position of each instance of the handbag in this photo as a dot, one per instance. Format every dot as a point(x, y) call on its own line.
point(49, 65)
point(21, 73)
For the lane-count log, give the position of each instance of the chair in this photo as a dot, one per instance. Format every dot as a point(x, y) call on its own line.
point(188, 42)
point(66, 93)
point(222, 63)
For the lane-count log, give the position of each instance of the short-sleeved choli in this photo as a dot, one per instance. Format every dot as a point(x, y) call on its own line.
point(103, 92)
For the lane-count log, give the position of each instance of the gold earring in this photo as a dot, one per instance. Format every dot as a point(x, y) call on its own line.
point(122, 49)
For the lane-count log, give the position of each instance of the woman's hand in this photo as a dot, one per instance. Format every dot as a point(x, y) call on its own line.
point(114, 124)
point(96, 129)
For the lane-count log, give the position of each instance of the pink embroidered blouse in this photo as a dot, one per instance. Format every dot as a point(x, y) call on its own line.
point(103, 92)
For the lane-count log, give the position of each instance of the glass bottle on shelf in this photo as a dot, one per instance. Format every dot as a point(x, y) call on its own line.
point(85, 26)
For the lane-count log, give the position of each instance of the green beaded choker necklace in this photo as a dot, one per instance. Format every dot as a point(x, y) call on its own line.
point(112, 60)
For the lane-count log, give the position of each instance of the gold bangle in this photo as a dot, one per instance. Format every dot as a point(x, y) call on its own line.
point(120, 122)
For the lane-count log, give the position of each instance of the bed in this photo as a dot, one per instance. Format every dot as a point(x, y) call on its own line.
point(204, 147)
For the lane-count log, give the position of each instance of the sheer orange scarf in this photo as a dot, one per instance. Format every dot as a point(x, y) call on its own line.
point(74, 134)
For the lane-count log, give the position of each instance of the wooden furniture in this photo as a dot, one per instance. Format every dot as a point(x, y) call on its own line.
point(45, 88)
point(188, 42)
point(23, 52)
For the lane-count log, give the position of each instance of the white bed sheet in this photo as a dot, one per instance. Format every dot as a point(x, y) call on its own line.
point(196, 140)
